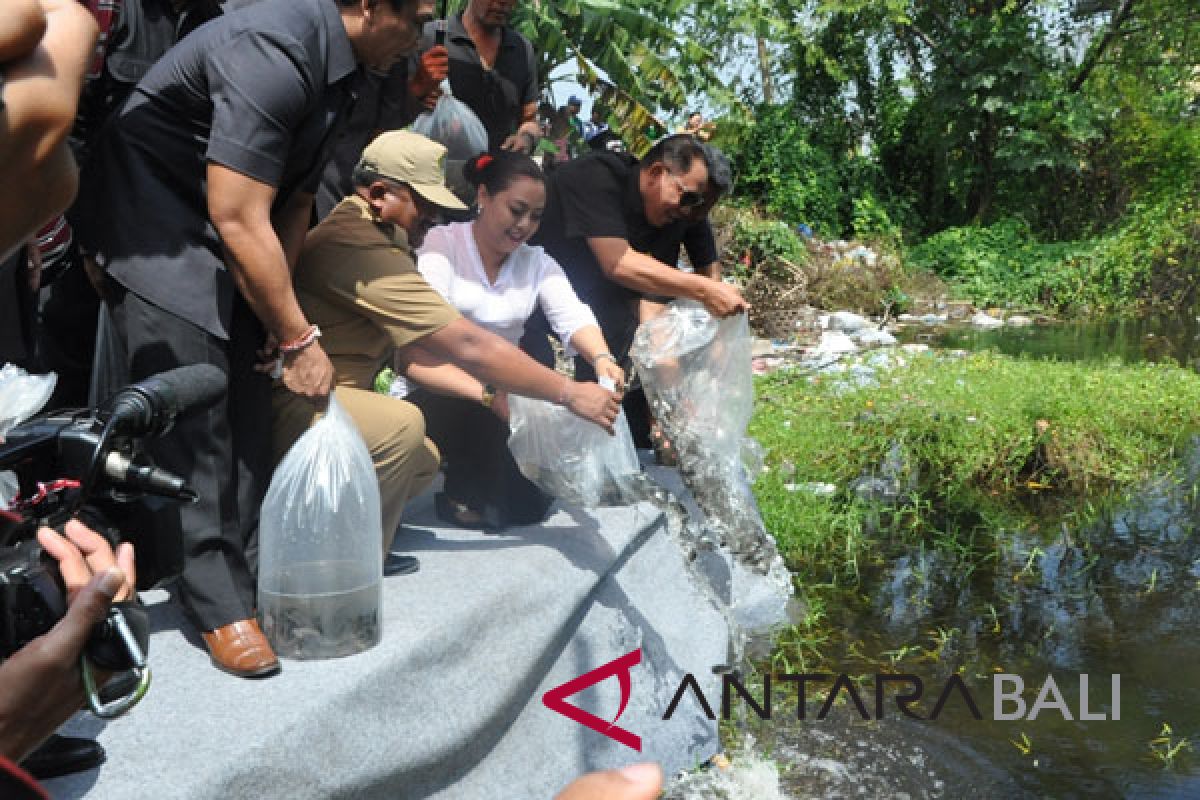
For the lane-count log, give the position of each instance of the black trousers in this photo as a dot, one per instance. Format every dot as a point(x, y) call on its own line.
point(18, 314)
point(224, 453)
point(67, 335)
point(480, 471)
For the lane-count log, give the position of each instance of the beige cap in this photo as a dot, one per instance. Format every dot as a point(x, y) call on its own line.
point(410, 158)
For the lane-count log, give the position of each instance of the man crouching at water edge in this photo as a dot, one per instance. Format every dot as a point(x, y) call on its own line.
point(357, 281)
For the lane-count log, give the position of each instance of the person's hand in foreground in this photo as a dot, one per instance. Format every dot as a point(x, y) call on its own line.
point(40, 684)
point(635, 782)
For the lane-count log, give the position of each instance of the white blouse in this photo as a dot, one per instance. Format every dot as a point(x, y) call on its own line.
point(449, 259)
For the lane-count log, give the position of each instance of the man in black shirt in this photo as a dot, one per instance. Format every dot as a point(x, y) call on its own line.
point(493, 70)
point(610, 219)
point(202, 195)
point(136, 36)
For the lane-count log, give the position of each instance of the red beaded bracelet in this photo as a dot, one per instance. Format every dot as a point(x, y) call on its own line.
point(299, 343)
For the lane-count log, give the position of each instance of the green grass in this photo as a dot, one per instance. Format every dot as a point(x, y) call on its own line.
point(991, 443)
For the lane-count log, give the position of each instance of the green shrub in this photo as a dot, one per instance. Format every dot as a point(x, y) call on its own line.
point(1152, 259)
point(989, 443)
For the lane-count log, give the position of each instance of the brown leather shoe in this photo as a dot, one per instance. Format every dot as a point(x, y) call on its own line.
point(241, 649)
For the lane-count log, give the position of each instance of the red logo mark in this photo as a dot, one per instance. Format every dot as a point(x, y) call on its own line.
point(555, 699)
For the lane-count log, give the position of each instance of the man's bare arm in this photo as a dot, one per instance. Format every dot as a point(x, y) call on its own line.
point(624, 265)
point(494, 360)
point(41, 95)
point(240, 209)
point(291, 225)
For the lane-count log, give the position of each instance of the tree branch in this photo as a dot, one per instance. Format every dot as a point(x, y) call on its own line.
point(1093, 57)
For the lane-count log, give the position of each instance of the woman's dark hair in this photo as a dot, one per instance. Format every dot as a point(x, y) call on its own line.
point(496, 171)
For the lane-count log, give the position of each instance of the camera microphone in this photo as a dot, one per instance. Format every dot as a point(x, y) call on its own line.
point(149, 407)
point(129, 476)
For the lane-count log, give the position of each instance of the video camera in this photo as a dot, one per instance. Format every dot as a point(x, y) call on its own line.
point(69, 463)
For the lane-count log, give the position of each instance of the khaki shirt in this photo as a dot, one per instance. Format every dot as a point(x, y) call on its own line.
point(357, 279)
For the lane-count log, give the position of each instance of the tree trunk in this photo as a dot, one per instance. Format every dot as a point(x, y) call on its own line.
point(764, 65)
point(980, 202)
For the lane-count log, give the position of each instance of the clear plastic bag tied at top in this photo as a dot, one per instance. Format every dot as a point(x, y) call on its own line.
point(454, 125)
point(321, 544)
point(21, 396)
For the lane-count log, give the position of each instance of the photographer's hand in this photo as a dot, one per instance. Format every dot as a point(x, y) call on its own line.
point(41, 682)
point(84, 554)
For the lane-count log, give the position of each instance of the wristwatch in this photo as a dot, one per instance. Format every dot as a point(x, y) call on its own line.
point(489, 395)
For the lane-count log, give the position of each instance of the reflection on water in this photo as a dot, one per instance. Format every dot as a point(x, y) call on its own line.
point(1161, 338)
point(1122, 597)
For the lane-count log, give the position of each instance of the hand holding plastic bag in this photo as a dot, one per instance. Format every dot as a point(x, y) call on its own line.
point(454, 125)
point(568, 457)
point(695, 370)
point(321, 555)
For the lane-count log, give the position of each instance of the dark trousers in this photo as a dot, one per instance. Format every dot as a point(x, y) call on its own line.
point(223, 452)
point(67, 335)
point(480, 470)
point(18, 315)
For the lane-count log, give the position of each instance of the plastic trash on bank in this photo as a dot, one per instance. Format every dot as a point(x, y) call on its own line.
point(320, 568)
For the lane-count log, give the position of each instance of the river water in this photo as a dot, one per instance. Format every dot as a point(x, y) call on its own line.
point(1119, 598)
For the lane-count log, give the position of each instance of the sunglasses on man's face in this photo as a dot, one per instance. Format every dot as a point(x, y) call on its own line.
point(688, 198)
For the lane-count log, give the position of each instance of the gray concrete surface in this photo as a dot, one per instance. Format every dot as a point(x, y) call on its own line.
point(449, 704)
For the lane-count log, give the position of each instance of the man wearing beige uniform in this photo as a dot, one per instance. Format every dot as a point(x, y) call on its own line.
point(357, 280)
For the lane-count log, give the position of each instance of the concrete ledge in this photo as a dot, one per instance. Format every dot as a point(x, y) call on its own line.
point(449, 704)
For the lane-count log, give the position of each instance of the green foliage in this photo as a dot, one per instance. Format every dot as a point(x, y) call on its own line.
point(629, 52)
point(781, 170)
point(972, 444)
point(1153, 259)
point(766, 240)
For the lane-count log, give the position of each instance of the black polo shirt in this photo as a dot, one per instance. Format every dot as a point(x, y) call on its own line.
point(259, 90)
point(597, 195)
point(496, 95)
point(382, 104)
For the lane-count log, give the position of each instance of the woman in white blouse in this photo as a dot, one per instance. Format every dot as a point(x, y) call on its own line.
point(485, 269)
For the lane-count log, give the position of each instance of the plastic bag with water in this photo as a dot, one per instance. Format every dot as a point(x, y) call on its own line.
point(454, 125)
point(568, 457)
point(320, 571)
point(695, 370)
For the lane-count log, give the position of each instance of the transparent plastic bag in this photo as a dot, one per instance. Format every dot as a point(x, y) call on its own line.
point(21, 396)
point(320, 566)
point(570, 458)
point(696, 373)
point(454, 125)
